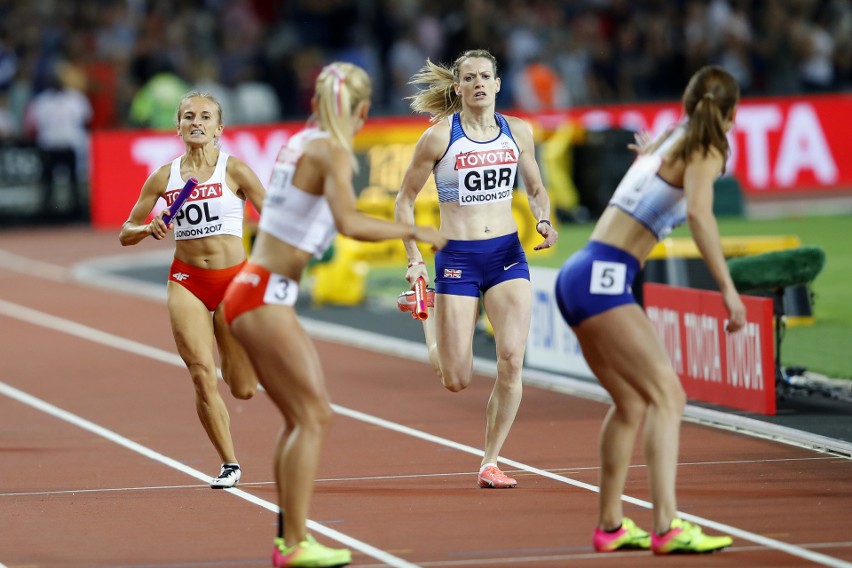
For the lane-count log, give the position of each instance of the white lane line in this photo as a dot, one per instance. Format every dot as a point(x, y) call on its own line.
point(85, 332)
point(363, 478)
point(99, 272)
point(153, 455)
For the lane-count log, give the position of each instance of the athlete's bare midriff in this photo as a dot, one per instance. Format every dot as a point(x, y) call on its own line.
point(212, 253)
point(617, 228)
point(477, 222)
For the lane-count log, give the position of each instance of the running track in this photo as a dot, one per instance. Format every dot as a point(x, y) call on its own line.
point(105, 463)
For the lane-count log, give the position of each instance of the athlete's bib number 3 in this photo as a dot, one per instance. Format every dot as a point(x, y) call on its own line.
point(281, 291)
point(608, 278)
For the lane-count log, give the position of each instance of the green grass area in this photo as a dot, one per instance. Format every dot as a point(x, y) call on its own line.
point(824, 347)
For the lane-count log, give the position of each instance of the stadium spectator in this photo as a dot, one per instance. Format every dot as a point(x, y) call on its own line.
point(58, 119)
point(795, 46)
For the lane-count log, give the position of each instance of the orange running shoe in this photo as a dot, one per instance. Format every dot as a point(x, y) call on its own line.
point(491, 476)
point(406, 302)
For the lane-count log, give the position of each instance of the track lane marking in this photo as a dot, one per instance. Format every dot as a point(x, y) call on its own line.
point(64, 415)
point(73, 328)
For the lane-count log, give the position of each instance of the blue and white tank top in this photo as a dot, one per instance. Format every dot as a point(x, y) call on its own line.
point(475, 173)
point(649, 199)
point(289, 213)
point(212, 208)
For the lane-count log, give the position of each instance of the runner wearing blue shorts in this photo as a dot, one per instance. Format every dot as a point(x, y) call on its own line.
point(475, 154)
point(670, 182)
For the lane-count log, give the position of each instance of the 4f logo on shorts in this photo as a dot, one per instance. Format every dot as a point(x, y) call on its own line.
point(452, 273)
point(180, 276)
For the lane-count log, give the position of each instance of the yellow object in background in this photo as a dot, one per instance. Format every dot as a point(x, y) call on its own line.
point(556, 165)
point(675, 252)
point(343, 280)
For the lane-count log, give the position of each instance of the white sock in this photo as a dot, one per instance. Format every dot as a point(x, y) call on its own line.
point(481, 469)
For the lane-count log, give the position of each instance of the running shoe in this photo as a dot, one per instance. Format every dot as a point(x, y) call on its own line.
point(491, 476)
point(406, 302)
point(228, 476)
point(308, 553)
point(628, 536)
point(685, 538)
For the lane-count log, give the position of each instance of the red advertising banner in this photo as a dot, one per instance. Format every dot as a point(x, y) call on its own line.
point(779, 146)
point(735, 370)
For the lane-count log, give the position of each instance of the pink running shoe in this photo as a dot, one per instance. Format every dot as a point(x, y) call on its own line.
point(492, 477)
point(406, 302)
point(628, 536)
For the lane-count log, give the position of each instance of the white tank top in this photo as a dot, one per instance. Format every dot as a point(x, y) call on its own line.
point(649, 199)
point(212, 208)
point(290, 214)
point(473, 173)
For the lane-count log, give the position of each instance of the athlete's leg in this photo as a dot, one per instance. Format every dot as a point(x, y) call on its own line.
point(192, 327)
point(454, 324)
point(507, 306)
point(618, 433)
point(289, 369)
point(633, 351)
point(237, 370)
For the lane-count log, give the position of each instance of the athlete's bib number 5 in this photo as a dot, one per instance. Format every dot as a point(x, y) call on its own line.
point(608, 278)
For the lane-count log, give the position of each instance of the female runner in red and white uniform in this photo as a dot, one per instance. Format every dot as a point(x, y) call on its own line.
point(209, 251)
point(310, 199)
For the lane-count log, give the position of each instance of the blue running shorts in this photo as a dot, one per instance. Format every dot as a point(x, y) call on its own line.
point(466, 268)
point(596, 278)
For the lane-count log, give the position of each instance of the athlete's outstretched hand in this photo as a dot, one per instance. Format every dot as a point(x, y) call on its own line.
point(431, 235)
point(550, 234)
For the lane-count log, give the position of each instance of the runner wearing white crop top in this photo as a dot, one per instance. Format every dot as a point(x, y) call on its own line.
point(208, 252)
point(310, 199)
point(671, 180)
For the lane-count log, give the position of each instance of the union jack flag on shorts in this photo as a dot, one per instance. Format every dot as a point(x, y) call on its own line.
point(452, 273)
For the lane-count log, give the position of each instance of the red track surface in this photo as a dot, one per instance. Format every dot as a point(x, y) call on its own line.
point(74, 497)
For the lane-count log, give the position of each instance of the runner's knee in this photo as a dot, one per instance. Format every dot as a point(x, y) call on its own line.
point(243, 390)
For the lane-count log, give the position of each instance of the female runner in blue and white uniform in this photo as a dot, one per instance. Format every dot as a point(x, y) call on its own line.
point(475, 154)
point(670, 182)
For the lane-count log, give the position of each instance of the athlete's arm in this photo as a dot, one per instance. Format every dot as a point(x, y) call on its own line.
point(135, 229)
point(528, 169)
point(698, 179)
point(429, 149)
point(336, 163)
point(246, 183)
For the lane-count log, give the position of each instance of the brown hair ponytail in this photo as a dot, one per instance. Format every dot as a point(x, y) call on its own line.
point(709, 101)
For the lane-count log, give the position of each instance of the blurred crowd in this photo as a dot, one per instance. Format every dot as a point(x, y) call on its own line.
point(124, 63)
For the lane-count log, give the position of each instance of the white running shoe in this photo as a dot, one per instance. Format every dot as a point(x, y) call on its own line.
point(229, 476)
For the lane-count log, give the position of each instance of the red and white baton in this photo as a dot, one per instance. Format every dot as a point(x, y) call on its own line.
point(420, 309)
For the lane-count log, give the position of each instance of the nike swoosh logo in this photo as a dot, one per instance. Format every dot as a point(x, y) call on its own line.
point(510, 266)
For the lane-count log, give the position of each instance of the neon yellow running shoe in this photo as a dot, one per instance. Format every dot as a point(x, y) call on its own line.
point(308, 553)
point(685, 538)
point(628, 536)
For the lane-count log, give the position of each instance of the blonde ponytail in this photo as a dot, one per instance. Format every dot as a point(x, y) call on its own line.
point(340, 88)
point(439, 98)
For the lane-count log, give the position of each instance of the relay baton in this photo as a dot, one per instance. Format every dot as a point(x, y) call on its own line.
point(420, 311)
point(180, 199)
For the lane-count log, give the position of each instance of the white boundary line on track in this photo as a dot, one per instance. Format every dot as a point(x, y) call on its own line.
point(75, 420)
point(96, 272)
point(49, 321)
